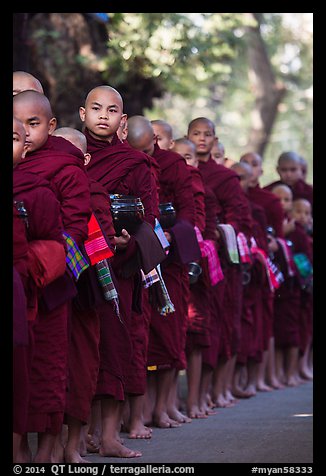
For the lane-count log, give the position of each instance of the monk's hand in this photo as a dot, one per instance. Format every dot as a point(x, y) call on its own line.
point(168, 236)
point(288, 226)
point(121, 242)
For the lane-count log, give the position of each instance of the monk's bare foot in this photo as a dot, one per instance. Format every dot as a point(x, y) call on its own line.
point(58, 453)
point(194, 412)
point(92, 443)
point(164, 421)
point(263, 387)
point(251, 390)
point(116, 450)
point(140, 431)
point(204, 408)
point(292, 382)
point(72, 456)
point(230, 398)
point(306, 374)
point(178, 416)
point(242, 393)
point(275, 384)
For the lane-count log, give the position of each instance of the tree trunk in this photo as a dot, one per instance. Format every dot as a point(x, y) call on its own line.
point(267, 92)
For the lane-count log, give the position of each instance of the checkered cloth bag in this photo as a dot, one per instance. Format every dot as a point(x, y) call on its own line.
point(75, 260)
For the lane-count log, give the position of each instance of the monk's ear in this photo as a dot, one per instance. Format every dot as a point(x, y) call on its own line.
point(87, 158)
point(172, 144)
point(82, 113)
point(52, 125)
point(24, 151)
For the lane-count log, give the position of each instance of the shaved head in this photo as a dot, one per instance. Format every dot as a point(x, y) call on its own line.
point(140, 133)
point(74, 136)
point(39, 101)
point(249, 156)
point(201, 120)
point(107, 90)
point(289, 157)
point(23, 81)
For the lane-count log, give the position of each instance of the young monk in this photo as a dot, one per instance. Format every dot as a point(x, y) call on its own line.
point(68, 179)
point(302, 214)
point(274, 216)
point(23, 81)
point(43, 228)
point(290, 172)
point(164, 133)
point(106, 367)
point(200, 296)
point(20, 329)
point(287, 299)
point(234, 211)
point(114, 165)
point(252, 345)
point(166, 353)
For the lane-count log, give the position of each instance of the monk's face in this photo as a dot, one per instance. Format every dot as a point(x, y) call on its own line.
point(256, 166)
point(301, 212)
point(163, 139)
point(103, 113)
point(188, 153)
point(36, 122)
point(285, 197)
point(19, 136)
point(289, 171)
point(217, 153)
point(202, 135)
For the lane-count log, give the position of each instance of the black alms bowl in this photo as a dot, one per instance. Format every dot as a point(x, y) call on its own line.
point(127, 212)
point(167, 215)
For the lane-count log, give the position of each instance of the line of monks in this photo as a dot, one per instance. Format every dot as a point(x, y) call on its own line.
point(106, 317)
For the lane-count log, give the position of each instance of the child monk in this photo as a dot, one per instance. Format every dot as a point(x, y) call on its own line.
point(166, 353)
point(234, 211)
point(289, 169)
point(287, 298)
point(68, 179)
point(48, 336)
point(107, 341)
point(164, 133)
point(120, 169)
point(200, 295)
point(274, 216)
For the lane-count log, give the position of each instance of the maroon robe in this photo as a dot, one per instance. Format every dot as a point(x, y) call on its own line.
point(302, 244)
point(234, 210)
point(198, 295)
point(167, 337)
point(272, 206)
point(62, 164)
point(274, 217)
point(122, 169)
point(300, 189)
point(252, 324)
point(48, 343)
point(20, 329)
point(215, 303)
point(287, 306)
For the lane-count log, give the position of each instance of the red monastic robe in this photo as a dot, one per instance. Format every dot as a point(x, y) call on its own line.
point(48, 342)
point(168, 333)
point(234, 210)
point(122, 169)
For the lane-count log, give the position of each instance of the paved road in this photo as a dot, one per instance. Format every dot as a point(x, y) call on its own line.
point(273, 427)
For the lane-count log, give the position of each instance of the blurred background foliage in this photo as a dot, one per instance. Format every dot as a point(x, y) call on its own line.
point(251, 73)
